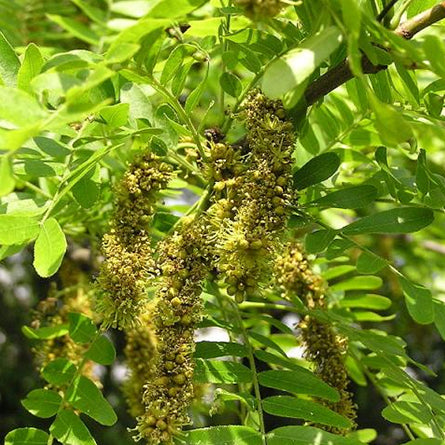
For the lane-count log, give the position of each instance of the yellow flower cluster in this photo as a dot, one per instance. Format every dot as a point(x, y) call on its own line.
point(126, 246)
point(324, 347)
point(256, 205)
point(178, 309)
point(260, 9)
point(140, 354)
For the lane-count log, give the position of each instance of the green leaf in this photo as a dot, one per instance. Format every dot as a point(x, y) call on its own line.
point(121, 53)
point(299, 381)
point(370, 263)
point(368, 301)
point(195, 95)
point(84, 395)
point(316, 170)
point(86, 191)
point(75, 28)
point(95, 14)
point(46, 332)
point(213, 349)
point(101, 351)
point(7, 251)
point(70, 430)
point(27, 436)
point(273, 359)
point(175, 62)
point(358, 283)
point(224, 435)
point(17, 229)
point(115, 115)
point(407, 412)
point(82, 328)
point(390, 122)
point(319, 240)
point(376, 341)
point(306, 435)
point(290, 71)
point(49, 249)
point(212, 371)
point(21, 116)
point(52, 147)
point(419, 301)
point(163, 8)
point(31, 67)
point(337, 271)
point(401, 220)
point(287, 406)
point(439, 317)
point(230, 84)
point(349, 198)
point(9, 62)
point(422, 173)
point(435, 52)
point(59, 371)
point(267, 342)
point(7, 181)
point(131, 8)
point(42, 403)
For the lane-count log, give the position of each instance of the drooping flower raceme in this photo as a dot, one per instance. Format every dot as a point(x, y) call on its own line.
point(126, 247)
point(324, 347)
point(178, 308)
point(140, 354)
point(258, 205)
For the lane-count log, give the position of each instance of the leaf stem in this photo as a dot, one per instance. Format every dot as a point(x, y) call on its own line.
point(251, 358)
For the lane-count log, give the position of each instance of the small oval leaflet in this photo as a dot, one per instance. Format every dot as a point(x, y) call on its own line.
point(349, 198)
point(49, 248)
point(287, 406)
point(213, 371)
point(299, 381)
point(401, 220)
point(304, 435)
point(69, 429)
point(317, 170)
point(42, 402)
point(59, 371)
point(25, 436)
point(84, 395)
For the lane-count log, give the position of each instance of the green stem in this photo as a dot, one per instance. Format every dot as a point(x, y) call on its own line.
point(187, 165)
point(221, 303)
point(38, 190)
point(251, 358)
point(224, 30)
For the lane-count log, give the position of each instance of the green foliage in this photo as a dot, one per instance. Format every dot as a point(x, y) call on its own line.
point(87, 86)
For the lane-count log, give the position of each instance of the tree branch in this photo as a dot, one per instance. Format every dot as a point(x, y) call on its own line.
point(342, 72)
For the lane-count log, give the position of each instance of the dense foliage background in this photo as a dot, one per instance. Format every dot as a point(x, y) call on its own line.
point(87, 86)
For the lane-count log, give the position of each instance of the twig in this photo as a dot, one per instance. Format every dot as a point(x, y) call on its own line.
point(341, 73)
